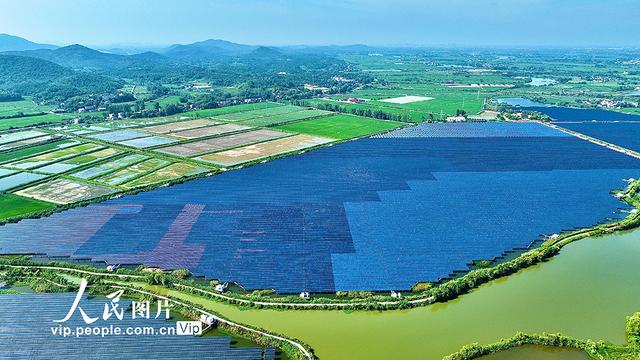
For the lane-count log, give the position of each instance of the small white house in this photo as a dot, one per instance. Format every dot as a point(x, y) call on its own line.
point(396, 294)
point(221, 287)
point(305, 295)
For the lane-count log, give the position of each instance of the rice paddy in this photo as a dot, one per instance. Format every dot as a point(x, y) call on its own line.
point(15, 180)
point(53, 156)
point(284, 118)
point(178, 126)
point(265, 149)
point(210, 131)
point(14, 206)
point(253, 114)
point(78, 161)
point(219, 143)
point(340, 126)
point(130, 172)
point(171, 172)
point(147, 142)
point(19, 135)
point(34, 150)
point(109, 166)
point(63, 191)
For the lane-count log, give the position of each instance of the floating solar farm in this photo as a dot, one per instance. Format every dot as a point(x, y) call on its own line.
point(31, 336)
point(410, 205)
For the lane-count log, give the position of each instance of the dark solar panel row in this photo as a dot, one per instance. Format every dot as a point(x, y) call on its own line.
point(371, 214)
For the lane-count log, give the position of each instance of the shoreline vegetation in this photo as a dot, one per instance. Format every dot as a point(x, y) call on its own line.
point(599, 350)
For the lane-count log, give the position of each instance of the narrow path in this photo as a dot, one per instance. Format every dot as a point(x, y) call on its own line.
point(299, 346)
point(593, 140)
point(309, 305)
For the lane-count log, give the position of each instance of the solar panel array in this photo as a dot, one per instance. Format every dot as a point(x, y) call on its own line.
point(376, 214)
point(469, 130)
point(27, 323)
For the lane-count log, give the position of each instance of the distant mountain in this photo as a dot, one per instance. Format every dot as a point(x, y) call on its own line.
point(265, 52)
point(15, 43)
point(19, 69)
point(208, 49)
point(30, 76)
point(82, 57)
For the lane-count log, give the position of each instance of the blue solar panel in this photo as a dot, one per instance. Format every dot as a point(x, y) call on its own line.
point(625, 134)
point(379, 213)
point(27, 322)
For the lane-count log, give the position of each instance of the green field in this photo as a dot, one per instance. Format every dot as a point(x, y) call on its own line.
point(284, 118)
point(13, 205)
point(253, 114)
point(230, 109)
point(31, 120)
point(26, 107)
point(33, 150)
point(341, 126)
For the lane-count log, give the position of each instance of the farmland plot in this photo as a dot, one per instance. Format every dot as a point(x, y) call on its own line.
point(265, 149)
point(63, 191)
point(131, 172)
point(53, 156)
point(219, 143)
point(210, 131)
point(178, 126)
point(173, 171)
point(246, 115)
point(109, 166)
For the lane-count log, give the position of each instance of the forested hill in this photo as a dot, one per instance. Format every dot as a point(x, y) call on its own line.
point(43, 79)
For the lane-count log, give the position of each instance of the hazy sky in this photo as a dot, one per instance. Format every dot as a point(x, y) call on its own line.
point(280, 22)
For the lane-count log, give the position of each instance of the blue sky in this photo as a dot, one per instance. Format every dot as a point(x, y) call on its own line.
point(283, 22)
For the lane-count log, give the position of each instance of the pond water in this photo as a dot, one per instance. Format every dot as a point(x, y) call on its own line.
point(586, 291)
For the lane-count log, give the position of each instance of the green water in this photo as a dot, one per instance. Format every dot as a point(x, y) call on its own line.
point(530, 352)
point(586, 291)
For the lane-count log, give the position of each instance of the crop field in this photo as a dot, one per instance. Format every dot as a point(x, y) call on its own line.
point(13, 205)
point(33, 150)
point(219, 143)
point(173, 171)
point(265, 149)
point(15, 180)
point(340, 126)
point(414, 116)
point(253, 114)
point(26, 107)
point(110, 166)
point(210, 131)
point(284, 118)
point(119, 135)
point(66, 165)
point(231, 109)
point(130, 172)
point(29, 142)
point(147, 142)
point(31, 120)
point(53, 156)
point(63, 191)
point(19, 135)
point(4, 172)
point(178, 126)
